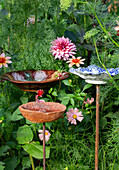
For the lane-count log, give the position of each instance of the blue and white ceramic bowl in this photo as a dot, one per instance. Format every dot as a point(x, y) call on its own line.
point(94, 74)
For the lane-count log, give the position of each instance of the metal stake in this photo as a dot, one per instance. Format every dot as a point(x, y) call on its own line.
point(97, 127)
point(43, 146)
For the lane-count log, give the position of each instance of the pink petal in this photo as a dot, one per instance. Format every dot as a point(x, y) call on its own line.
point(41, 136)
point(76, 110)
point(80, 118)
point(70, 65)
point(92, 99)
point(40, 131)
point(40, 101)
point(81, 62)
point(78, 57)
point(73, 121)
point(46, 138)
point(5, 64)
point(85, 102)
point(79, 114)
point(2, 55)
point(8, 61)
point(70, 119)
point(8, 57)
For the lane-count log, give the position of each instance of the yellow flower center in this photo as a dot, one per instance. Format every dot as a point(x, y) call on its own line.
point(74, 116)
point(2, 60)
point(46, 133)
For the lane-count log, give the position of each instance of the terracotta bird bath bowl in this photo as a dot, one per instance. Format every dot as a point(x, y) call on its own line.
point(33, 80)
point(42, 112)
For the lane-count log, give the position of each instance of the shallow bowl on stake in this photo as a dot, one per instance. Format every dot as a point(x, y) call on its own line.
point(94, 74)
point(33, 80)
point(42, 112)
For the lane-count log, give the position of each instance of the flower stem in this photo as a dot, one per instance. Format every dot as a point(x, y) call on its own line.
point(102, 26)
point(105, 30)
point(32, 163)
point(104, 66)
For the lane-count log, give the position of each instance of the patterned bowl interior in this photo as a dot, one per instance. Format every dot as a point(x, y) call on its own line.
point(94, 74)
point(33, 80)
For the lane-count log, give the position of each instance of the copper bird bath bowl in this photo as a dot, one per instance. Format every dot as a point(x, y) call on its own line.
point(42, 112)
point(33, 80)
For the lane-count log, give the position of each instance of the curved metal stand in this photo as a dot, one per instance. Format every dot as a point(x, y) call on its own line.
point(43, 146)
point(97, 127)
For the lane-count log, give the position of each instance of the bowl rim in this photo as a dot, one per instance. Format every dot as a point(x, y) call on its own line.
point(63, 106)
point(35, 82)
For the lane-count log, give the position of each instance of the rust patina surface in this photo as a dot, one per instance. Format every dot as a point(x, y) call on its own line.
point(42, 112)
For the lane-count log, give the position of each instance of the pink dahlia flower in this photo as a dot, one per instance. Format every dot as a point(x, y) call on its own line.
point(47, 135)
point(89, 101)
point(62, 48)
point(4, 60)
point(74, 114)
point(75, 61)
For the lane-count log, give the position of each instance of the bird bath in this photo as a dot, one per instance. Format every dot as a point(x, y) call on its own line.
point(98, 76)
point(33, 80)
point(42, 112)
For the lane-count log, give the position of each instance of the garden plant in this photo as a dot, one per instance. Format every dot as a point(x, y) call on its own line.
point(59, 35)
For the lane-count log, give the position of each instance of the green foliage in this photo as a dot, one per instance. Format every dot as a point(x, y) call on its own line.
point(16, 115)
point(91, 33)
point(85, 23)
point(24, 131)
point(26, 163)
point(4, 149)
point(2, 165)
point(36, 150)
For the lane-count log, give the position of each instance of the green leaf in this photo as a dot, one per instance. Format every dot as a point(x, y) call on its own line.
point(49, 97)
point(29, 122)
point(91, 33)
point(36, 150)
point(72, 101)
point(87, 86)
point(111, 115)
point(65, 100)
point(51, 89)
point(48, 124)
point(1, 166)
point(26, 162)
point(67, 83)
point(39, 168)
point(71, 35)
point(79, 98)
point(24, 134)
point(70, 95)
point(4, 149)
point(82, 94)
point(16, 115)
point(54, 93)
point(11, 163)
point(24, 99)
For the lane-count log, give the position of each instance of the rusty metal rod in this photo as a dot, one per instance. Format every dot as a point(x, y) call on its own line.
point(43, 146)
point(97, 127)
